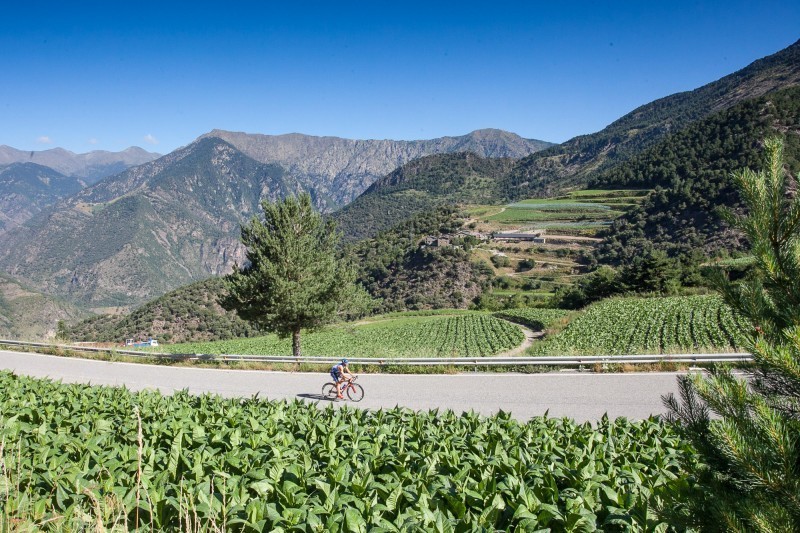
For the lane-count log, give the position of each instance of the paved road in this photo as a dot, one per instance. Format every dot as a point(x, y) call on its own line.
point(581, 396)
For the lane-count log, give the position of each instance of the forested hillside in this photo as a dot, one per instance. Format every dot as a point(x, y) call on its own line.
point(398, 269)
point(189, 313)
point(419, 186)
point(690, 172)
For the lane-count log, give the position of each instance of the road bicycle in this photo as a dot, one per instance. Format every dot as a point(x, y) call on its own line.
point(354, 391)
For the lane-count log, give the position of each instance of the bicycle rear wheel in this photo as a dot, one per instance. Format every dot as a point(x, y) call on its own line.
point(355, 392)
point(329, 391)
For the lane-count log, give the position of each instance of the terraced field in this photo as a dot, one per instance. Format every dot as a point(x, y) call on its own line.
point(515, 215)
point(579, 207)
point(439, 335)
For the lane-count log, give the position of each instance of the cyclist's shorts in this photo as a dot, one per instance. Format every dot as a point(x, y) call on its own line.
point(335, 376)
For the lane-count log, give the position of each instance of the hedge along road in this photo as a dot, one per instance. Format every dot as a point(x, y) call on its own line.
point(580, 396)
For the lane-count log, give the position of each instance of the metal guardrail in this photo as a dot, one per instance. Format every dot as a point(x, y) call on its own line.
point(418, 361)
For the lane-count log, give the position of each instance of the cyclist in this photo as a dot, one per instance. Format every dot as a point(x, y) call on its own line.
point(340, 374)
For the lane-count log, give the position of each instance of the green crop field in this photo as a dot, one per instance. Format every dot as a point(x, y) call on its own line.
point(631, 325)
point(560, 225)
point(575, 206)
point(735, 261)
point(438, 335)
point(81, 458)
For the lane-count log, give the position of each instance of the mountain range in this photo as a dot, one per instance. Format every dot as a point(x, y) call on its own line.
point(31, 181)
point(176, 219)
point(337, 170)
point(27, 188)
point(90, 167)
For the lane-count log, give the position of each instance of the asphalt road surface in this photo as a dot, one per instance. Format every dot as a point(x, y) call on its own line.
point(580, 396)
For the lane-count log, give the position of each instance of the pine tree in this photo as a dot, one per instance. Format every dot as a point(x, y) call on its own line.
point(294, 278)
point(751, 450)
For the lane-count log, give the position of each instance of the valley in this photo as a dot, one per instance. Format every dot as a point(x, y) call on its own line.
point(277, 267)
point(482, 223)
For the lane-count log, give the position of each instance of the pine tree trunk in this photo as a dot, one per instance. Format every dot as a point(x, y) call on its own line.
point(296, 343)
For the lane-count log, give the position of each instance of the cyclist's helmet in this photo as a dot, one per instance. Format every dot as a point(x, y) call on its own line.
point(344, 361)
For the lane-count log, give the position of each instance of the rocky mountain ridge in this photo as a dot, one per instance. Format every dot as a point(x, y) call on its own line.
point(337, 170)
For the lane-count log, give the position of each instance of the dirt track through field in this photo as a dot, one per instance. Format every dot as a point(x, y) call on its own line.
point(530, 337)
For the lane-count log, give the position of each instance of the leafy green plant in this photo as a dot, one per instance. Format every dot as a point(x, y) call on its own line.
point(80, 457)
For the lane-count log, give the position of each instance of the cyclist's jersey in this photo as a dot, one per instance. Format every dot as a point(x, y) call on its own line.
point(336, 371)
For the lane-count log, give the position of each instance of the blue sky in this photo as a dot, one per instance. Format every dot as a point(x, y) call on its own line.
point(112, 75)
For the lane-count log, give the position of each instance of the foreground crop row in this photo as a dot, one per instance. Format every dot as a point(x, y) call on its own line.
point(77, 456)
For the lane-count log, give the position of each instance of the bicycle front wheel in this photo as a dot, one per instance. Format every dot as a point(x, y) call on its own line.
point(355, 392)
point(329, 391)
